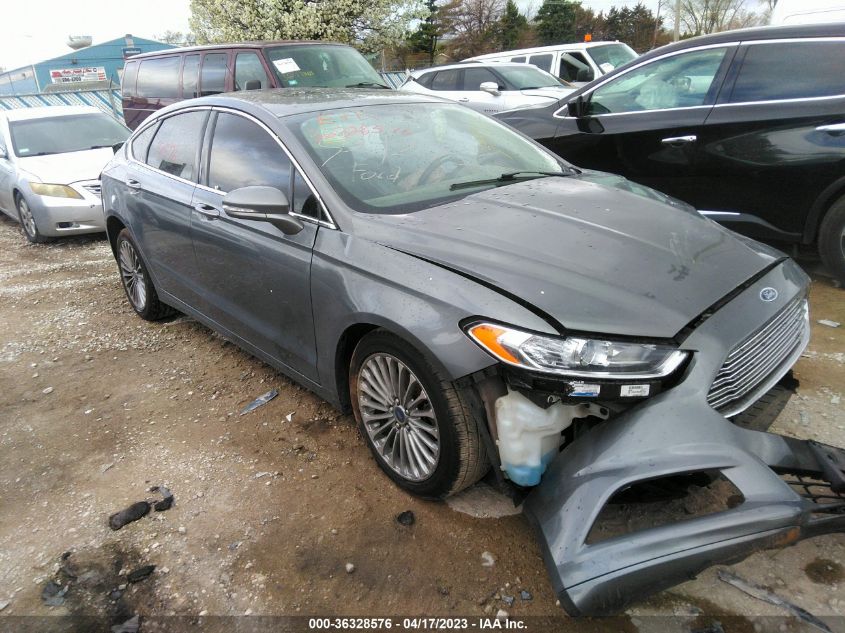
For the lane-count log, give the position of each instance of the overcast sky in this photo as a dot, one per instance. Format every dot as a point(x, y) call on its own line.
point(35, 30)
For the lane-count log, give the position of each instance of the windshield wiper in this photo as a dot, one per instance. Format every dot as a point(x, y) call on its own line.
point(368, 84)
point(508, 177)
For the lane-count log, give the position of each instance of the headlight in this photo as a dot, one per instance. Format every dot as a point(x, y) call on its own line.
point(576, 356)
point(54, 191)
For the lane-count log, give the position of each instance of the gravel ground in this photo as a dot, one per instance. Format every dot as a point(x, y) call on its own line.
point(280, 511)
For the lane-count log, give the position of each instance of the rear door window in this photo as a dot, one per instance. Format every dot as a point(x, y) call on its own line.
point(190, 76)
point(446, 80)
point(543, 61)
point(175, 146)
point(141, 143)
point(213, 74)
point(159, 78)
point(474, 77)
point(519, 60)
point(249, 73)
point(243, 154)
point(130, 76)
point(794, 70)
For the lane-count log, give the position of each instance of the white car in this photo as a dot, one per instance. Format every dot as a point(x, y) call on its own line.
point(50, 164)
point(489, 87)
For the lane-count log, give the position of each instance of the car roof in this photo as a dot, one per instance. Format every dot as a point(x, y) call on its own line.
point(543, 49)
point(472, 64)
point(236, 45)
point(281, 102)
point(43, 112)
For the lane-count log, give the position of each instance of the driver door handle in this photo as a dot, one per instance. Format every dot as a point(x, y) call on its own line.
point(678, 141)
point(132, 183)
point(207, 210)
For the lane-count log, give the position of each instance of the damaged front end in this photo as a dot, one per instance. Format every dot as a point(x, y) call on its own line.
point(781, 489)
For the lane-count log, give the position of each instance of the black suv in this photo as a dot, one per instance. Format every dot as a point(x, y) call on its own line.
point(747, 126)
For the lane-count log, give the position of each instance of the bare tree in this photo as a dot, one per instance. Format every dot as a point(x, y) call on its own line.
point(700, 17)
point(473, 25)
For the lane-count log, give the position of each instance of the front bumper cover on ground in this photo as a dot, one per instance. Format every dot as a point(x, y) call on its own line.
point(678, 433)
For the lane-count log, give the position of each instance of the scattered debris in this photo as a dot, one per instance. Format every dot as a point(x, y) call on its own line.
point(181, 529)
point(106, 467)
point(130, 514)
point(137, 575)
point(53, 594)
point(3, 604)
point(835, 399)
point(289, 416)
point(761, 593)
point(260, 401)
point(501, 614)
point(132, 625)
point(829, 323)
point(508, 600)
point(350, 568)
point(487, 559)
point(47, 390)
point(167, 498)
point(525, 596)
point(406, 518)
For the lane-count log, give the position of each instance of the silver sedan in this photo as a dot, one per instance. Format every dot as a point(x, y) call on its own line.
point(50, 164)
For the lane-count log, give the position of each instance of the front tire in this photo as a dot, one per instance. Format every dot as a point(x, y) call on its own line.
point(27, 220)
point(137, 282)
point(832, 240)
point(418, 425)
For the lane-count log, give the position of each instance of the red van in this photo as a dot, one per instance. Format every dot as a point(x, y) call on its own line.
point(154, 80)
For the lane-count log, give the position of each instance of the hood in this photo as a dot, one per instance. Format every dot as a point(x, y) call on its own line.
point(64, 169)
point(550, 92)
point(596, 252)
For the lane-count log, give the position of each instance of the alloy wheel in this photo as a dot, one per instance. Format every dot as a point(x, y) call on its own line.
point(131, 273)
point(398, 417)
point(27, 219)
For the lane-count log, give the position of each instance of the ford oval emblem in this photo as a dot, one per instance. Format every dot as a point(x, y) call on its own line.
point(768, 294)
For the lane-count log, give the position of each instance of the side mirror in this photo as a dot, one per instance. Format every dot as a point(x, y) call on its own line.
point(253, 84)
point(4, 155)
point(116, 147)
point(577, 108)
point(490, 87)
point(266, 204)
point(584, 75)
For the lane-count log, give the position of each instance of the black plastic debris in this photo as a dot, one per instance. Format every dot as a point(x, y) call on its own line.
point(167, 498)
point(53, 594)
point(130, 514)
point(761, 593)
point(137, 575)
point(406, 518)
point(132, 625)
point(260, 401)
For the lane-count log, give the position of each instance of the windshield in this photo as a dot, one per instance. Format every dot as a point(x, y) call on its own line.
point(610, 56)
point(67, 133)
point(404, 157)
point(528, 77)
point(321, 66)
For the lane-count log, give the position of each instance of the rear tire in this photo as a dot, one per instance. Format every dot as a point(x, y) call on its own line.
point(832, 239)
point(432, 447)
point(27, 220)
point(136, 280)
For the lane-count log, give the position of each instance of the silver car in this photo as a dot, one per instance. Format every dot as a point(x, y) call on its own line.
point(50, 164)
point(489, 87)
point(478, 303)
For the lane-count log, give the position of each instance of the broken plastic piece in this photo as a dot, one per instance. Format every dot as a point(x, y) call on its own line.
point(53, 594)
point(130, 514)
point(137, 575)
point(167, 500)
point(260, 401)
point(761, 593)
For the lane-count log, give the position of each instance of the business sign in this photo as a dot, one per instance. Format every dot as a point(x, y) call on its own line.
point(130, 50)
point(78, 74)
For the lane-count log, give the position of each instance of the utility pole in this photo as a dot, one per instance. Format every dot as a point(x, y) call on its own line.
point(677, 21)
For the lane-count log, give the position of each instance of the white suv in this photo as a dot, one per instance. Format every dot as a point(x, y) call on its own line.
point(489, 87)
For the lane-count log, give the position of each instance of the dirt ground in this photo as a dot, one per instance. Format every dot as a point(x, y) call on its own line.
point(97, 406)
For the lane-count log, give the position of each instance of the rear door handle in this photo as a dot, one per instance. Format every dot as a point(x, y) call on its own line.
point(834, 129)
point(134, 184)
point(207, 210)
point(463, 99)
point(677, 141)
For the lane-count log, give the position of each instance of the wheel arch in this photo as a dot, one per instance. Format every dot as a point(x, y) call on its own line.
point(114, 225)
point(821, 206)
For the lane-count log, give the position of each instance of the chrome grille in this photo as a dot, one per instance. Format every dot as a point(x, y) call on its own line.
point(93, 187)
point(752, 366)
